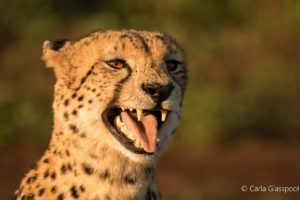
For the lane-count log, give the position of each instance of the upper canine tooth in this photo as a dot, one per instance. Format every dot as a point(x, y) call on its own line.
point(163, 115)
point(123, 108)
point(139, 113)
point(131, 109)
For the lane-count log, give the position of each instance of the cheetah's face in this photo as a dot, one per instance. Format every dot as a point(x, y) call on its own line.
point(138, 79)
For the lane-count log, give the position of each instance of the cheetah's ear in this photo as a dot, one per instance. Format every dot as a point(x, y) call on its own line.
point(52, 53)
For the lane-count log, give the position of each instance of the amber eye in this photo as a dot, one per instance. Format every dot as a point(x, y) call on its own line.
point(117, 63)
point(172, 65)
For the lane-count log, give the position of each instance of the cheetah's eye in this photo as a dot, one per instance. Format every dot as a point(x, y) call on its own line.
point(172, 65)
point(117, 63)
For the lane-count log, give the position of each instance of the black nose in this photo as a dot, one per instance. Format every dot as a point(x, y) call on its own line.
point(158, 92)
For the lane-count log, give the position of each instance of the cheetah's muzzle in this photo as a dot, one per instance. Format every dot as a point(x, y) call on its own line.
point(136, 129)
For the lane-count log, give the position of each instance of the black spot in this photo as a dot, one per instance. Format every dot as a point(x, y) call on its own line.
point(34, 166)
point(74, 192)
point(46, 160)
point(87, 169)
point(66, 115)
point(63, 169)
point(31, 179)
point(53, 175)
point(153, 195)
point(83, 135)
point(107, 197)
point(41, 191)
point(69, 167)
point(60, 197)
point(66, 103)
point(82, 188)
point(129, 179)
point(98, 95)
point(80, 106)
point(57, 44)
point(94, 90)
point(53, 189)
point(118, 87)
point(46, 174)
point(74, 95)
point(68, 152)
point(29, 196)
point(74, 128)
point(80, 98)
point(74, 112)
point(104, 175)
point(90, 101)
point(150, 195)
point(148, 170)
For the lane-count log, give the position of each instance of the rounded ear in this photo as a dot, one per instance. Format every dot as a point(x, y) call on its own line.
point(52, 53)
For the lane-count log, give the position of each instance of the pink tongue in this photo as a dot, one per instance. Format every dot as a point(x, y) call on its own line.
point(147, 138)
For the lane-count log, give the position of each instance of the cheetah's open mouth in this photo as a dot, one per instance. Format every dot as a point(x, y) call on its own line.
point(135, 129)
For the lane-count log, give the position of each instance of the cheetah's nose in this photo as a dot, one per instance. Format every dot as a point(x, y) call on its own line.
point(158, 92)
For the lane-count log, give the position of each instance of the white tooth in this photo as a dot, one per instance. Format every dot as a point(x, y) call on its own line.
point(118, 121)
point(157, 140)
point(139, 113)
point(123, 129)
point(123, 108)
point(130, 136)
point(163, 115)
point(131, 109)
point(137, 144)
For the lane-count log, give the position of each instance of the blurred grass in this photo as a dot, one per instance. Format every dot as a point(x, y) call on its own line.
point(243, 63)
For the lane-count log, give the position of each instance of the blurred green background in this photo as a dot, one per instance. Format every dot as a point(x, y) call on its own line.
point(241, 116)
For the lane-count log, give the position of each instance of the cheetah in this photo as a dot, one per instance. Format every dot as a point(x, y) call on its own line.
point(117, 102)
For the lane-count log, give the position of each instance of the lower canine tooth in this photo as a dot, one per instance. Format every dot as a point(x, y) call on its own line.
point(139, 113)
point(163, 115)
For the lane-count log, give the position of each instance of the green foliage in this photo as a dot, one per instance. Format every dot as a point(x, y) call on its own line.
point(243, 61)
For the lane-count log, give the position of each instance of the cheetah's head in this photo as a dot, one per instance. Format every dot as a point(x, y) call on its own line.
point(123, 89)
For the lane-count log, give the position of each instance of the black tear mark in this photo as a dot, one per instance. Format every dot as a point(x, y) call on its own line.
point(57, 44)
point(119, 86)
point(82, 81)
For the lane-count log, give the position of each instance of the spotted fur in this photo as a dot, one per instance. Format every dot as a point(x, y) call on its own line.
point(84, 160)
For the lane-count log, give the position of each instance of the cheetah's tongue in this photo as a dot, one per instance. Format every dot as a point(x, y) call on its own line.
point(144, 131)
